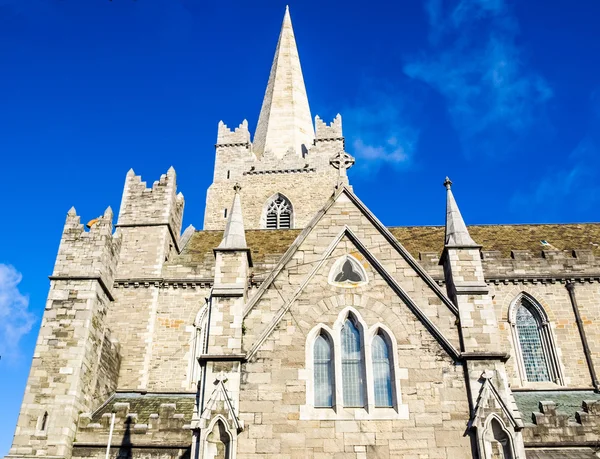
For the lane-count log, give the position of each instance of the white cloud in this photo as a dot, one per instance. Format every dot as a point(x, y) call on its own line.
point(476, 65)
point(15, 318)
point(378, 131)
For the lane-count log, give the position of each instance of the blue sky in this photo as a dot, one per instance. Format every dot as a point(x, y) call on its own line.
point(502, 96)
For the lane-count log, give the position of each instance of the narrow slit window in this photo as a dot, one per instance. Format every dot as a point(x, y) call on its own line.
point(382, 374)
point(44, 422)
point(224, 213)
point(352, 366)
point(323, 372)
point(228, 174)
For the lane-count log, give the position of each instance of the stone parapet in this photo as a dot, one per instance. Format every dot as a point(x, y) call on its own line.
point(551, 426)
point(158, 205)
point(89, 254)
point(167, 425)
point(238, 136)
point(331, 131)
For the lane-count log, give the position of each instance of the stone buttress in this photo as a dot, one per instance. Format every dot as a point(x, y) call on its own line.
point(482, 349)
point(219, 390)
point(76, 362)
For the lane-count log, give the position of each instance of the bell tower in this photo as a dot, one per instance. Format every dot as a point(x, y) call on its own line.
point(288, 160)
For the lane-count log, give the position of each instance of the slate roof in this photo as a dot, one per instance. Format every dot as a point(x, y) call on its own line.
point(564, 453)
point(146, 404)
point(267, 246)
point(567, 402)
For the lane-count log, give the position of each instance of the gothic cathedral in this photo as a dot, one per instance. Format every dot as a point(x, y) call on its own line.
point(296, 325)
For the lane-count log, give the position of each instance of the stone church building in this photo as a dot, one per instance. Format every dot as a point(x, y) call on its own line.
point(297, 325)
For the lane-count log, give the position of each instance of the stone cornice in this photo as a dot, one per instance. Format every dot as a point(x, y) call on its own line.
point(537, 279)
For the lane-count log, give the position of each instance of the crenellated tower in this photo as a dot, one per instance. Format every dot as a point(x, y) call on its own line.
point(149, 224)
point(289, 160)
point(76, 361)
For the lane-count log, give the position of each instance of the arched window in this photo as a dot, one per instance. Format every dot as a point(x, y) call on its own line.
point(278, 213)
point(533, 340)
point(198, 345)
point(323, 371)
point(352, 365)
point(530, 340)
point(382, 375)
point(218, 444)
point(498, 441)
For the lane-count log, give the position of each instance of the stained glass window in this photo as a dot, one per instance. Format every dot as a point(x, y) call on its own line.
point(381, 372)
point(352, 366)
point(530, 340)
point(279, 213)
point(323, 372)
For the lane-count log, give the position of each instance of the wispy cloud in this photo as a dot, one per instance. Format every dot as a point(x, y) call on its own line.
point(473, 61)
point(571, 186)
point(15, 318)
point(379, 132)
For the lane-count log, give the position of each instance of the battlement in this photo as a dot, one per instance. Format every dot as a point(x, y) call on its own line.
point(92, 253)
point(143, 418)
point(552, 425)
point(158, 205)
point(332, 131)
point(239, 136)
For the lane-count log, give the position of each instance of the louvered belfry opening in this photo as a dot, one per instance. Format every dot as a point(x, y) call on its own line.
point(279, 213)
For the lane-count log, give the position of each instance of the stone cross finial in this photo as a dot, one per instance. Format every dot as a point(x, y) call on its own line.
point(342, 161)
point(237, 187)
point(220, 377)
point(448, 183)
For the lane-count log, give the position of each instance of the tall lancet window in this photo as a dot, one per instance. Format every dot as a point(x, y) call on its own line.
point(323, 371)
point(529, 326)
point(382, 375)
point(352, 365)
point(278, 213)
point(198, 346)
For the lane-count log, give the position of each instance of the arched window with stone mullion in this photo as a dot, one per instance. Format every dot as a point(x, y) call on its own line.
point(530, 340)
point(278, 213)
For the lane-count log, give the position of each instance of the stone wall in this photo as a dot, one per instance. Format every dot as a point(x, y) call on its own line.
point(432, 409)
point(75, 360)
point(307, 181)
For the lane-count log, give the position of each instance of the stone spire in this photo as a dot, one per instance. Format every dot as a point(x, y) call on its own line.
point(457, 234)
point(285, 121)
point(235, 234)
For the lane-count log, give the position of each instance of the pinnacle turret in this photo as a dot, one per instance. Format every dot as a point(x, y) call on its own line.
point(285, 121)
point(457, 234)
point(235, 234)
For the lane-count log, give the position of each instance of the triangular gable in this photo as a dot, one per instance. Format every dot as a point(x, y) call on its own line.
point(391, 281)
point(213, 406)
point(343, 190)
point(489, 395)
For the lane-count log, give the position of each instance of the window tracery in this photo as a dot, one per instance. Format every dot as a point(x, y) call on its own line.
point(533, 342)
point(278, 214)
point(352, 372)
point(347, 272)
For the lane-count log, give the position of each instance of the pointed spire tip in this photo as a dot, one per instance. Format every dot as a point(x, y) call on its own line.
point(448, 183)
